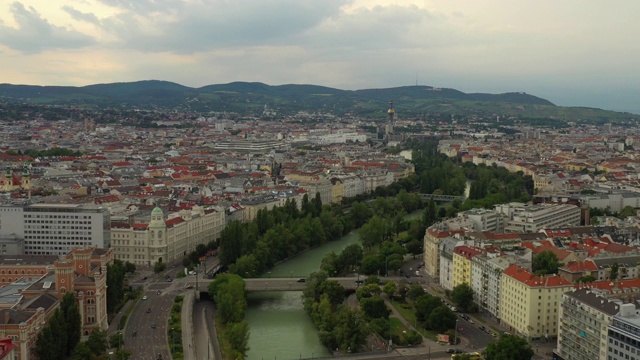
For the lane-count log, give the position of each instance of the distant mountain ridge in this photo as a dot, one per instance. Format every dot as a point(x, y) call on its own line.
point(254, 96)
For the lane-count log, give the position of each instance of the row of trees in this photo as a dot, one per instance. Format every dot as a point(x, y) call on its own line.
point(61, 334)
point(115, 283)
point(229, 293)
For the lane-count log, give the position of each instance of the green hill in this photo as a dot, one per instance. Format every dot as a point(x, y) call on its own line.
point(251, 97)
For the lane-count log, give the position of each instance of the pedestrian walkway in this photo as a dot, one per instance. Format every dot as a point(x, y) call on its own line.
point(115, 322)
point(426, 342)
point(186, 317)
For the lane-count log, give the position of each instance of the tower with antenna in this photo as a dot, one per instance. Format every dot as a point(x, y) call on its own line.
point(389, 126)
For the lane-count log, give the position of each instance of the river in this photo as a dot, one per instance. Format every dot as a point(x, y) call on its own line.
point(280, 328)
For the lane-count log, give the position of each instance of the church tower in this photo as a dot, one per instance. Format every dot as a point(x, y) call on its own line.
point(26, 177)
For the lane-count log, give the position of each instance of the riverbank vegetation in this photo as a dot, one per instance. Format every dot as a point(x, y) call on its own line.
point(252, 248)
point(229, 294)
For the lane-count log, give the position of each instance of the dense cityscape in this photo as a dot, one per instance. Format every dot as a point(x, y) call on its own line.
point(471, 234)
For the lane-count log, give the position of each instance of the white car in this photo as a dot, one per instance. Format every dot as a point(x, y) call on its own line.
point(144, 297)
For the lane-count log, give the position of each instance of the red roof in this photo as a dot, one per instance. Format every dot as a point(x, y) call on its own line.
point(173, 222)
point(531, 280)
point(466, 251)
point(580, 266)
point(140, 226)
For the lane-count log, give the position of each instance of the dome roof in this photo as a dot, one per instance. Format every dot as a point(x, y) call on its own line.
point(157, 211)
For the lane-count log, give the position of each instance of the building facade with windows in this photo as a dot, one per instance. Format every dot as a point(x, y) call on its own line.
point(529, 304)
point(166, 240)
point(624, 335)
point(27, 303)
point(583, 321)
point(56, 229)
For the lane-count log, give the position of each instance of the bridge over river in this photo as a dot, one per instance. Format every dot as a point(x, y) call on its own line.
point(294, 284)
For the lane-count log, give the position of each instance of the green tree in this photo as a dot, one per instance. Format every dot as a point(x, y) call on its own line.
point(116, 340)
point(72, 321)
point(80, 352)
point(389, 288)
point(441, 319)
point(238, 336)
point(115, 284)
point(373, 232)
point(97, 341)
point(229, 294)
point(615, 269)
point(425, 304)
point(545, 263)
point(415, 291)
point(462, 296)
point(374, 307)
point(627, 211)
point(47, 345)
point(351, 330)
point(159, 267)
point(231, 239)
point(509, 347)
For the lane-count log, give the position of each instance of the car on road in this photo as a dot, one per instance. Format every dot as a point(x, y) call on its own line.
point(158, 292)
point(454, 351)
point(359, 281)
point(302, 280)
point(149, 311)
point(144, 297)
point(154, 326)
point(466, 317)
point(169, 279)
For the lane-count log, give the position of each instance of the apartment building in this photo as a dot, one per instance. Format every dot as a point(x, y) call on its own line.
point(166, 240)
point(56, 229)
point(624, 334)
point(524, 218)
point(445, 274)
point(583, 322)
point(485, 220)
point(432, 239)
point(462, 260)
point(529, 304)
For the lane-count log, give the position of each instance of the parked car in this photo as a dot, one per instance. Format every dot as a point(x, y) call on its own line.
point(149, 311)
point(454, 351)
point(482, 328)
point(144, 297)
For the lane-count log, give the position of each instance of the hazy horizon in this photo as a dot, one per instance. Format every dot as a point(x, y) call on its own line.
point(572, 53)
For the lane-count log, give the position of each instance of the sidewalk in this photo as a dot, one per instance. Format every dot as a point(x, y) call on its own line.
point(186, 316)
point(115, 322)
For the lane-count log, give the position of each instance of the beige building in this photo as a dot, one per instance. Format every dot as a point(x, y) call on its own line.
point(166, 240)
point(529, 304)
point(432, 239)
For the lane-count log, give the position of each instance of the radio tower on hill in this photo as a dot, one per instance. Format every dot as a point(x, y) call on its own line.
point(389, 127)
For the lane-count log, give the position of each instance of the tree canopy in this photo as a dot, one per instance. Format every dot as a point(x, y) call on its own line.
point(545, 263)
point(508, 347)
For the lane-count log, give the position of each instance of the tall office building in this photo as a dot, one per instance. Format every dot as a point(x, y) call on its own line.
point(56, 229)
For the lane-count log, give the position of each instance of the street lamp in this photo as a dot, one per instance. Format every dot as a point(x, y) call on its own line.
point(455, 336)
point(110, 355)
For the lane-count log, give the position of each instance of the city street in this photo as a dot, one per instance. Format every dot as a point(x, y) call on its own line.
point(146, 332)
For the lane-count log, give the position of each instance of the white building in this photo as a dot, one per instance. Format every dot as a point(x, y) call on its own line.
point(56, 229)
point(624, 334)
point(166, 240)
point(524, 218)
point(446, 261)
point(582, 326)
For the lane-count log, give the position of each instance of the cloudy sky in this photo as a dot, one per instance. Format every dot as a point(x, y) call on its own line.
point(572, 52)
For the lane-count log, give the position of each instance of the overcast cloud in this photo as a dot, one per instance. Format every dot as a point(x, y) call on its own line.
point(572, 52)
